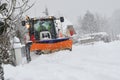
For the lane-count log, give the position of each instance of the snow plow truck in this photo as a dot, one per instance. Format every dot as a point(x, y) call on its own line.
point(44, 36)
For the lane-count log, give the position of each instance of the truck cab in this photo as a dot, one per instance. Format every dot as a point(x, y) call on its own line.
point(41, 26)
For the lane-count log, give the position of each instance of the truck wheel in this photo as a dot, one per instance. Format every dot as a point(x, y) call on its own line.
point(70, 49)
point(38, 52)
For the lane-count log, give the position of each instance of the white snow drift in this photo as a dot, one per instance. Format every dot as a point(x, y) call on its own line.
point(100, 61)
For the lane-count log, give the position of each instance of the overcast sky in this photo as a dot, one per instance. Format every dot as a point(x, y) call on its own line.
point(72, 9)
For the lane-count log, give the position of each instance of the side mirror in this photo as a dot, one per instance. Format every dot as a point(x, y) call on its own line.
point(61, 19)
point(23, 23)
point(32, 20)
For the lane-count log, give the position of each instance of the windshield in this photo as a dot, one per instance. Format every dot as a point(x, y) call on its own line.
point(44, 25)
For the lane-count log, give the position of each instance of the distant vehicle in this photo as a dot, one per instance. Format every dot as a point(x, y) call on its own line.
point(70, 31)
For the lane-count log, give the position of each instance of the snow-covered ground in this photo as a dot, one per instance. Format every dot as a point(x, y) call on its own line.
point(100, 61)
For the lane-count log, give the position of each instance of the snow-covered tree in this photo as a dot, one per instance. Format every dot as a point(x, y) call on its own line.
point(114, 24)
point(101, 23)
point(89, 23)
point(10, 12)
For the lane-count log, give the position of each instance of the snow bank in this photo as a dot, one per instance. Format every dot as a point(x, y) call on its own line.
point(100, 61)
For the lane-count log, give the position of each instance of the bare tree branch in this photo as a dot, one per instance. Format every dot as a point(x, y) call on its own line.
point(11, 12)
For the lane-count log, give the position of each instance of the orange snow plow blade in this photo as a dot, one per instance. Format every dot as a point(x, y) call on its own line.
point(67, 44)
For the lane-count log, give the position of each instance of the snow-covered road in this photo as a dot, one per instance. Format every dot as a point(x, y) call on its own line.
point(100, 61)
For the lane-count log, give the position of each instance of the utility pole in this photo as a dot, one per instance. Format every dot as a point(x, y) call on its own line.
point(46, 12)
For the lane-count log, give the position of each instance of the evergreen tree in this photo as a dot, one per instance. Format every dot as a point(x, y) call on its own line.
point(89, 23)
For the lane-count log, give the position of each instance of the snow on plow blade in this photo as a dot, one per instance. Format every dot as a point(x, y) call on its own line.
point(52, 45)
